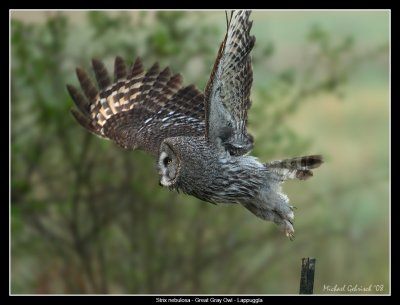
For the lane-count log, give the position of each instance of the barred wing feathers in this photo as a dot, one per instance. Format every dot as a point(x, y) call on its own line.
point(295, 168)
point(227, 95)
point(139, 109)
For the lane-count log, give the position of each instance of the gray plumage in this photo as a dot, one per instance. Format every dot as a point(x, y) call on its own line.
point(201, 140)
point(227, 95)
point(198, 168)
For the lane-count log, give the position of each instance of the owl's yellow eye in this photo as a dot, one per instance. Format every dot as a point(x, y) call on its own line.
point(167, 160)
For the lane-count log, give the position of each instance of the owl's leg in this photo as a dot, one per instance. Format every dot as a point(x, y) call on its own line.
point(286, 224)
point(284, 221)
point(285, 211)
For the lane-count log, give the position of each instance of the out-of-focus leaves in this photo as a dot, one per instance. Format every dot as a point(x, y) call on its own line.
point(345, 46)
point(162, 43)
point(287, 77)
point(20, 188)
point(268, 50)
point(16, 219)
point(103, 22)
point(319, 36)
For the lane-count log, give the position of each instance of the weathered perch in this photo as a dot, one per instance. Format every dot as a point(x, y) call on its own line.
point(307, 275)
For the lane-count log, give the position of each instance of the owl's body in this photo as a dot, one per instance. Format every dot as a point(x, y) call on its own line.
point(200, 139)
point(213, 175)
point(193, 166)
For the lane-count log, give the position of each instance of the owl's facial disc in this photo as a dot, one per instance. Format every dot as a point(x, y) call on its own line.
point(168, 165)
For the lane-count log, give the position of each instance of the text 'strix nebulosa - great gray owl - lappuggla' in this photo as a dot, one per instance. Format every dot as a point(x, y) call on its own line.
point(200, 139)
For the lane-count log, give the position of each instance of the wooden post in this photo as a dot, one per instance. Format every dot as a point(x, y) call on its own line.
point(307, 275)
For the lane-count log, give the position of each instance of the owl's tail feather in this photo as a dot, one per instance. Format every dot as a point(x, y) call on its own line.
point(295, 168)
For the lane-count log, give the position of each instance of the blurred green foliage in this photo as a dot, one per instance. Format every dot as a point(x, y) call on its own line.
point(89, 217)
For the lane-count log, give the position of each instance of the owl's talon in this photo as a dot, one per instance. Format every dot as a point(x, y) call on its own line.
point(292, 207)
point(290, 236)
point(289, 231)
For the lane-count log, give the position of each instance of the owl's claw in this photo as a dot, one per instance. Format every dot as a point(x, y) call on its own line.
point(292, 207)
point(289, 231)
point(290, 235)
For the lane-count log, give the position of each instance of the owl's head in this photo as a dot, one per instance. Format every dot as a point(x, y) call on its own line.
point(183, 162)
point(168, 164)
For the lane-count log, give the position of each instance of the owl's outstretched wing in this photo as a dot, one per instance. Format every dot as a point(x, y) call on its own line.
point(140, 109)
point(227, 95)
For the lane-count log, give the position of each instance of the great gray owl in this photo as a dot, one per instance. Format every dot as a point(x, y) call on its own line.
point(200, 139)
